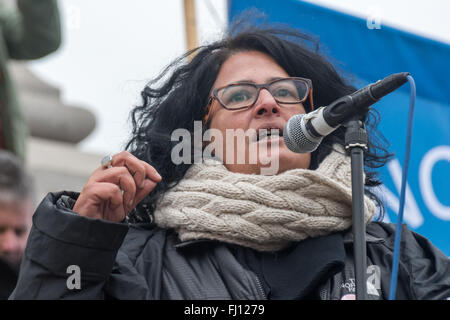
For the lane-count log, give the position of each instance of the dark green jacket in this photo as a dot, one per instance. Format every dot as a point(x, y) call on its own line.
point(30, 32)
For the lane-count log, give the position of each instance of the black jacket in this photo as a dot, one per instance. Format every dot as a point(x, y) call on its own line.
point(121, 261)
point(8, 279)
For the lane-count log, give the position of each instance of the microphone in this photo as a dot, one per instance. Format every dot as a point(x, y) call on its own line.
point(304, 132)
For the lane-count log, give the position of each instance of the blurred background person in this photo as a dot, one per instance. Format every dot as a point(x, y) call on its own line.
point(16, 210)
point(29, 30)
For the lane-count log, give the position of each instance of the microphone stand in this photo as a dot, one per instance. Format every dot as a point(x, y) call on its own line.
point(356, 144)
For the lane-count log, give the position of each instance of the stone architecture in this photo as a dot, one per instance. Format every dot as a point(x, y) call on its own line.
point(53, 157)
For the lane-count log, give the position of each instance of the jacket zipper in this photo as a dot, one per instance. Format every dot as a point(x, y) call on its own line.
point(324, 291)
point(323, 294)
point(260, 288)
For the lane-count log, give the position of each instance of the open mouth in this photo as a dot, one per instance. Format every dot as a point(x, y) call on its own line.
point(269, 134)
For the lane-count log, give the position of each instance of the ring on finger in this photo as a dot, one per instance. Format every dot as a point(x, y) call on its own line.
point(107, 162)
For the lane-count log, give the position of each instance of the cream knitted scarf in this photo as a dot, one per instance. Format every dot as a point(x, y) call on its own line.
point(265, 213)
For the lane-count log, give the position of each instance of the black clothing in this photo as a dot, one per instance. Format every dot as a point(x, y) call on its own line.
point(301, 272)
point(8, 279)
point(143, 261)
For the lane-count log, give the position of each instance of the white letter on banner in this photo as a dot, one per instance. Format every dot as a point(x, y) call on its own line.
point(426, 186)
point(412, 214)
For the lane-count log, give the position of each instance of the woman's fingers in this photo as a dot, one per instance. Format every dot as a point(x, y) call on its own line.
point(140, 170)
point(152, 173)
point(110, 195)
point(121, 177)
point(145, 176)
point(134, 166)
point(113, 191)
point(101, 200)
point(141, 193)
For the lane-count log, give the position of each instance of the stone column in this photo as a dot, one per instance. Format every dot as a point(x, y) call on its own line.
point(53, 157)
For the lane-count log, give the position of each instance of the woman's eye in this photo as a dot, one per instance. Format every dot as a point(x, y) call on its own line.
point(239, 96)
point(283, 93)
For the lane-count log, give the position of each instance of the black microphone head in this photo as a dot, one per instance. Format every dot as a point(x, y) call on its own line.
point(389, 84)
point(297, 138)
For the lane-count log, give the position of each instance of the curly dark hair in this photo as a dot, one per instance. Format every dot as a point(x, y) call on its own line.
point(179, 96)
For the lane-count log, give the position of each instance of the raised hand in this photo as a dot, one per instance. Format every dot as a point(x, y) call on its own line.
point(113, 190)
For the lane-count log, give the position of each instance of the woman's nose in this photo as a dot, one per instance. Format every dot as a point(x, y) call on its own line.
point(266, 104)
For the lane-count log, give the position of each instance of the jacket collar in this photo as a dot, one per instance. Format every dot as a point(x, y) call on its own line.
point(347, 237)
point(195, 245)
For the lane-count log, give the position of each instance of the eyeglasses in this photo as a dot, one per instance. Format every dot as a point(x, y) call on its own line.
point(243, 95)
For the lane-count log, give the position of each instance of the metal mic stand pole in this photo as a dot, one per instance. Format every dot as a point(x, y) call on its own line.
point(356, 144)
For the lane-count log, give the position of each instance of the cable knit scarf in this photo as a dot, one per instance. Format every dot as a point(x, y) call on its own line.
point(265, 213)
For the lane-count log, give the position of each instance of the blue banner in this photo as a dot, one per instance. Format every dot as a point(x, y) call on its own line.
point(370, 52)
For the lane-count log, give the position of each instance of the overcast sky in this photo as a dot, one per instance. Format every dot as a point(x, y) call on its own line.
point(112, 48)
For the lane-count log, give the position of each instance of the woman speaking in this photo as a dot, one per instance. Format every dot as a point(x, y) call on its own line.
point(248, 218)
